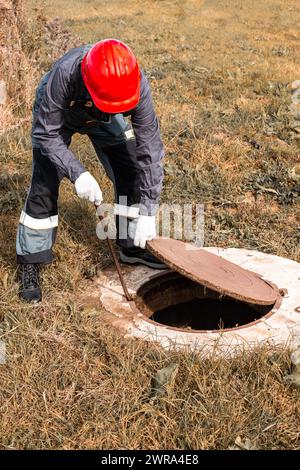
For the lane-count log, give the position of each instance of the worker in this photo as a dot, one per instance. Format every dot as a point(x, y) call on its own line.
point(98, 90)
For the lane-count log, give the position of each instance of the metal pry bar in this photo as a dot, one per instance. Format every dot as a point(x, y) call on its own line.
point(114, 256)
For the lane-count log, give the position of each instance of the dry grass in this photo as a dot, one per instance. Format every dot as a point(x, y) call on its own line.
point(17, 62)
point(74, 383)
point(219, 75)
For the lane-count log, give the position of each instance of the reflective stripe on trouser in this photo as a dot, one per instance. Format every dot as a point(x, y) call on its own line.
point(39, 218)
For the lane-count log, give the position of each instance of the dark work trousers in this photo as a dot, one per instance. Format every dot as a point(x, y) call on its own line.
point(115, 147)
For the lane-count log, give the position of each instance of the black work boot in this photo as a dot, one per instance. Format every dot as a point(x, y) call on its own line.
point(137, 255)
point(29, 283)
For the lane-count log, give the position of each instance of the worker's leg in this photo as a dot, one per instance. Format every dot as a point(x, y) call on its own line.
point(38, 224)
point(39, 218)
point(121, 167)
point(120, 163)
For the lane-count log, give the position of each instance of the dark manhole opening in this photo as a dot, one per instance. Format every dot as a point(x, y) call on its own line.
point(173, 300)
point(207, 314)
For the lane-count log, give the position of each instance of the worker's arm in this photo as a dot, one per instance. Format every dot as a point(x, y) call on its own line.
point(49, 121)
point(149, 149)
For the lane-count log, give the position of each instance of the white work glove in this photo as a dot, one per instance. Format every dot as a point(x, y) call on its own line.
point(87, 188)
point(142, 229)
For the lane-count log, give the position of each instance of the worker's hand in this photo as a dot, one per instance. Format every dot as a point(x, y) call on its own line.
point(87, 188)
point(142, 229)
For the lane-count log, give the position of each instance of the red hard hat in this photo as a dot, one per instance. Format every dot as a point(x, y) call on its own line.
point(111, 74)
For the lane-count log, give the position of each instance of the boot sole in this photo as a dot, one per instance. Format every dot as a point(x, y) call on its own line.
point(132, 260)
point(33, 303)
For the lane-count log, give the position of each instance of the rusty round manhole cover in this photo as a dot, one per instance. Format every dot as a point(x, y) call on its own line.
point(214, 272)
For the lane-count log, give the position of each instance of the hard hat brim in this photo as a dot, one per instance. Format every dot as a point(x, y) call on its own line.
point(115, 107)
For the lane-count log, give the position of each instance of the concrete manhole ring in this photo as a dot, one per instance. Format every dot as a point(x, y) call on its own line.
point(280, 324)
